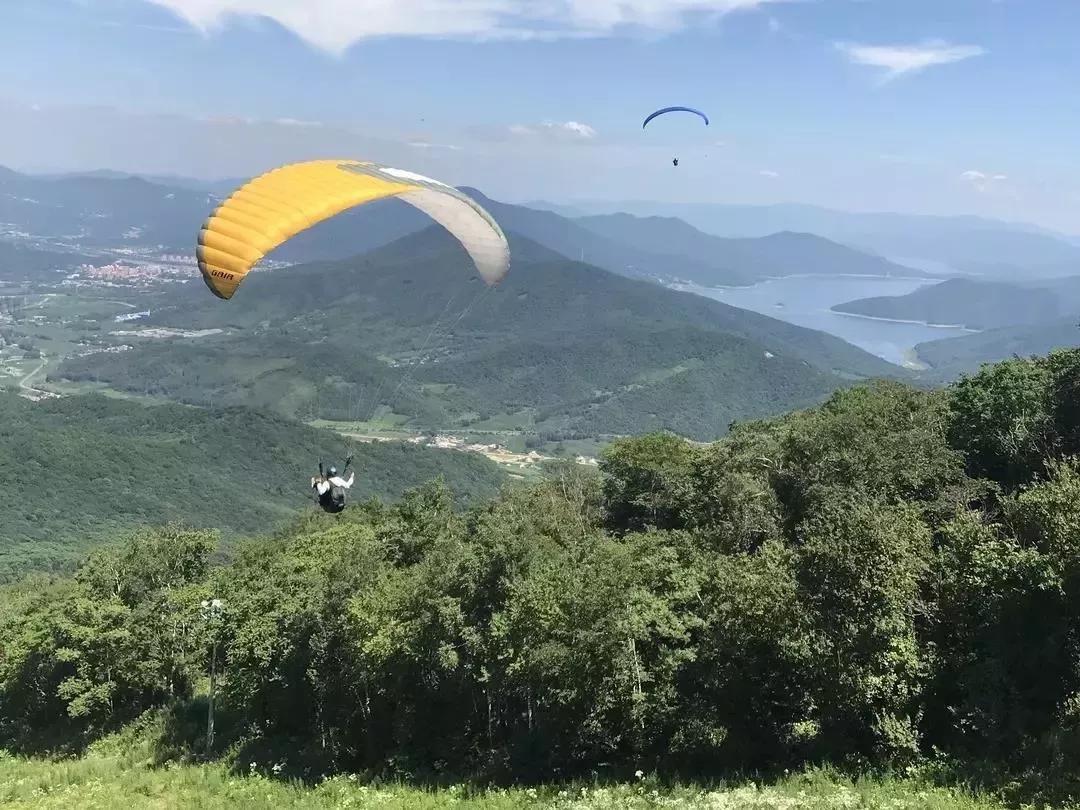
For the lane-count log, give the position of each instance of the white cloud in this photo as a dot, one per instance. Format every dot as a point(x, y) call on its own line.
point(768, 173)
point(295, 122)
point(334, 25)
point(898, 60)
point(426, 145)
point(290, 123)
point(581, 130)
point(568, 130)
point(982, 181)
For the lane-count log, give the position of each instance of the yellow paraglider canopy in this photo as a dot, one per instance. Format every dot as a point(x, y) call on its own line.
point(276, 206)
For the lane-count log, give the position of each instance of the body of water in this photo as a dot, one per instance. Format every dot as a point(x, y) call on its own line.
point(807, 301)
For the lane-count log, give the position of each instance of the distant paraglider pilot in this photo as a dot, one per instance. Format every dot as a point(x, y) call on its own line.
point(667, 110)
point(329, 488)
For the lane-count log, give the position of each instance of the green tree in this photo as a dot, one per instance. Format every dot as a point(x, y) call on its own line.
point(642, 481)
point(1000, 419)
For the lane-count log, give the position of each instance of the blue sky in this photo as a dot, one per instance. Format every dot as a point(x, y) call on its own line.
point(932, 106)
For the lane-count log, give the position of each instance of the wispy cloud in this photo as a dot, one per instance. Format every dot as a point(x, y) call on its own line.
point(576, 128)
point(568, 130)
point(296, 122)
point(982, 181)
point(769, 173)
point(290, 123)
point(426, 145)
point(898, 60)
point(334, 25)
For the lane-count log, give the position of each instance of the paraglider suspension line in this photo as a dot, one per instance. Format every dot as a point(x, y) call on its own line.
point(408, 374)
point(476, 300)
point(370, 410)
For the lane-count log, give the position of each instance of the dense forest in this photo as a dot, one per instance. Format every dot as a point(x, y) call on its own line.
point(887, 579)
point(77, 471)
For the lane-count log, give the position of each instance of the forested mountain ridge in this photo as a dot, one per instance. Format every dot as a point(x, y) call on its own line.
point(977, 303)
point(1014, 318)
point(558, 346)
point(104, 209)
point(783, 253)
point(1003, 250)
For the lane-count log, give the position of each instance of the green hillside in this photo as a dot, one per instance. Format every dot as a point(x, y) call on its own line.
point(102, 211)
point(559, 347)
point(885, 584)
point(78, 469)
point(975, 303)
point(953, 356)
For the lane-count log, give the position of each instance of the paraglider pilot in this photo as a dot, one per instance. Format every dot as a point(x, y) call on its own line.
point(329, 488)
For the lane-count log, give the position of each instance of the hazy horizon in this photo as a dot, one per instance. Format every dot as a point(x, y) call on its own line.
point(588, 206)
point(860, 107)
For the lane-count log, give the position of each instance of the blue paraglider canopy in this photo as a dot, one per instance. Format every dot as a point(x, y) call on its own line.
point(675, 109)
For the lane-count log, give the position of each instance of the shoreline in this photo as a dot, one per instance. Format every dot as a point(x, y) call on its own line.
point(911, 360)
point(689, 286)
point(910, 322)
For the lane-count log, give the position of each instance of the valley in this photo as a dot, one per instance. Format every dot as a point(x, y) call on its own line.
point(400, 340)
point(543, 405)
point(397, 343)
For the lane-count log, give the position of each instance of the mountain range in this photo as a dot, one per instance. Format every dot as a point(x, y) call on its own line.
point(939, 244)
point(103, 211)
point(98, 211)
point(107, 208)
point(666, 248)
point(408, 332)
point(111, 207)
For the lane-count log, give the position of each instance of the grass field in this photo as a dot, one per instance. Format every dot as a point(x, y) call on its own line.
point(101, 783)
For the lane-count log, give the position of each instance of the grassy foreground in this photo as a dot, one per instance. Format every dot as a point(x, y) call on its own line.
point(100, 783)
